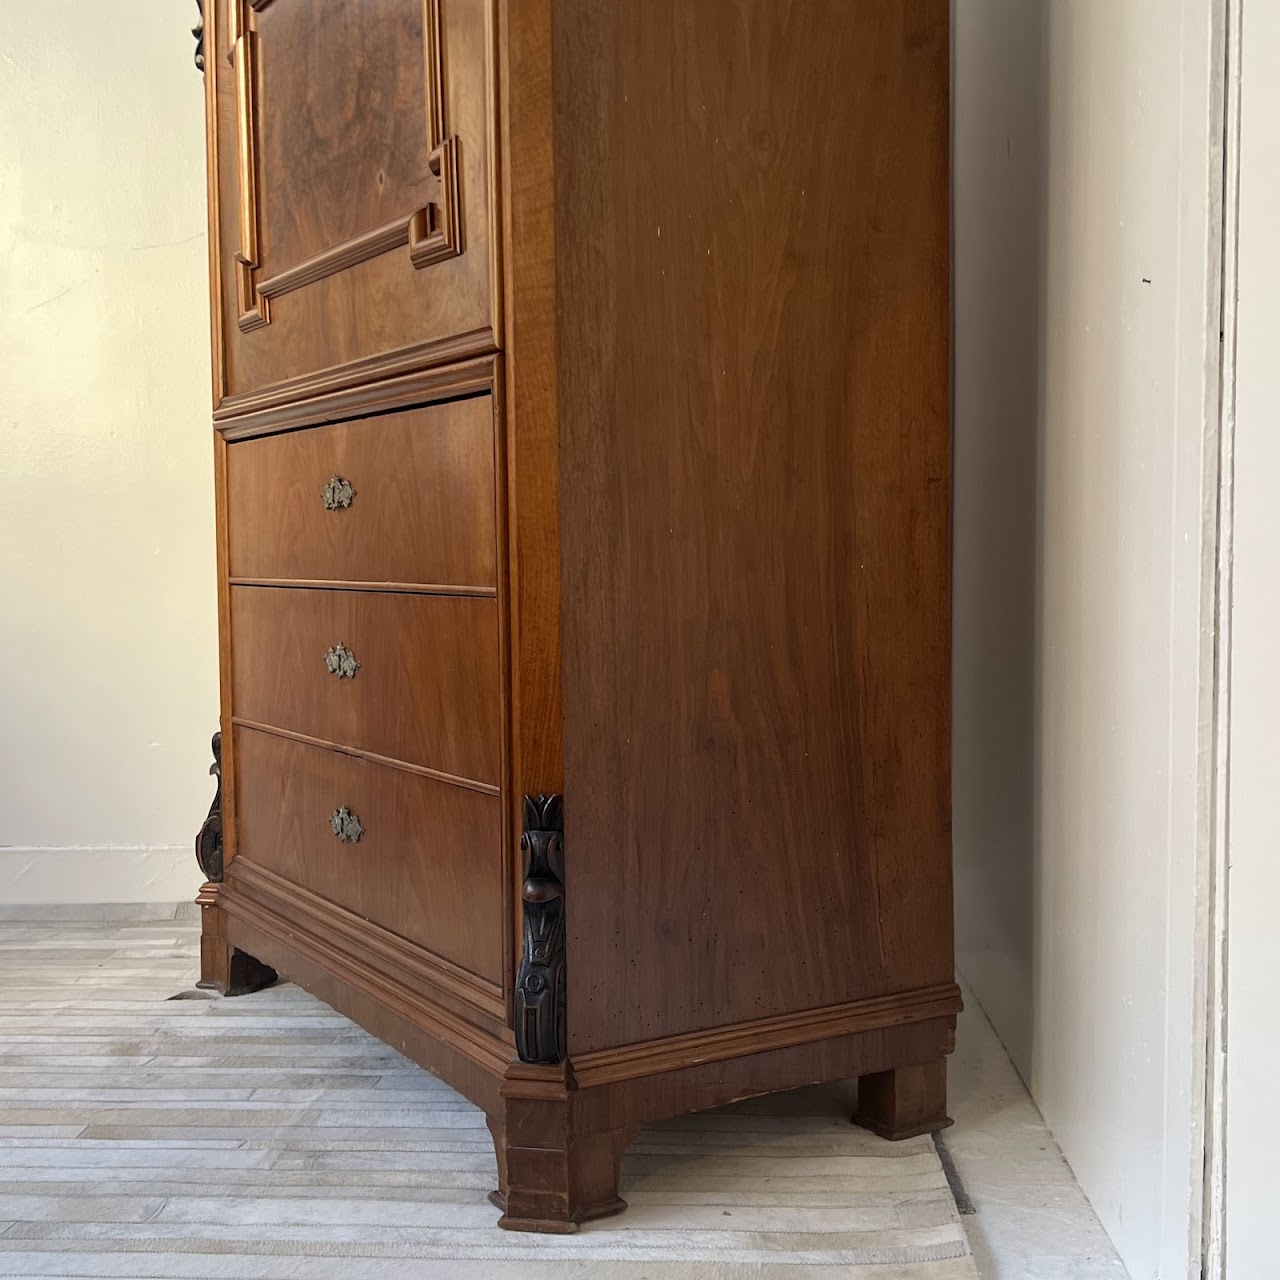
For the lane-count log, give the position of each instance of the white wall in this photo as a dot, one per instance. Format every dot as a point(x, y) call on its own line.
point(1086, 207)
point(108, 685)
point(1253, 995)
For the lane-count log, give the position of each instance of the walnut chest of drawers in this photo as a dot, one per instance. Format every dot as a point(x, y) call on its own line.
point(580, 381)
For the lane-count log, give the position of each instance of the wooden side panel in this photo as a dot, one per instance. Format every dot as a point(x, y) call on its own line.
point(355, 177)
point(752, 284)
point(419, 684)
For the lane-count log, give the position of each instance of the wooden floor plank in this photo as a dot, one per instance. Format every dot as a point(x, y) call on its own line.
point(198, 1138)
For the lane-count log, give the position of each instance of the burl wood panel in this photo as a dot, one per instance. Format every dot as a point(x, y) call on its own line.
point(428, 866)
point(426, 689)
point(752, 284)
point(342, 123)
point(423, 511)
point(337, 108)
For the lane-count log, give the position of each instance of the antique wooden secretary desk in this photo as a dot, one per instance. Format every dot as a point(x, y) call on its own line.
point(580, 383)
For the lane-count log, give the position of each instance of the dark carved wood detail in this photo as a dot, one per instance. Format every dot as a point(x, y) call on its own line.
point(246, 974)
point(198, 32)
point(540, 982)
point(230, 971)
point(209, 841)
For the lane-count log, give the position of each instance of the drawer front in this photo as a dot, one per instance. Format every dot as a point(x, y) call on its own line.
point(417, 505)
point(426, 865)
point(416, 676)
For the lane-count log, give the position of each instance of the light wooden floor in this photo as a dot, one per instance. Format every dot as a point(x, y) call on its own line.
point(147, 1136)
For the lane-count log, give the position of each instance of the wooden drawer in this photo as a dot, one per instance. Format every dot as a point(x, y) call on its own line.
point(427, 866)
point(423, 508)
point(426, 689)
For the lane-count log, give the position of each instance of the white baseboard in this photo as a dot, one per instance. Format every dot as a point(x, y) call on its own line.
point(98, 874)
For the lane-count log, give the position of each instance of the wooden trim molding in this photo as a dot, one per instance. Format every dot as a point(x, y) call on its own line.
point(383, 588)
point(226, 655)
point(437, 775)
point(510, 890)
point(393, 380)
point(433, 232)
point(397, 958)
point(361, 966)
point(253, 310)
point(629, 1062)
point(339, 258)
point(209, 41)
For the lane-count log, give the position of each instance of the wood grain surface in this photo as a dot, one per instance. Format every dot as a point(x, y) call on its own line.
point(341, 118)
point(650, 455)
point(423, 511)
point(428, 866)
point(426, 689)
point(752, 256)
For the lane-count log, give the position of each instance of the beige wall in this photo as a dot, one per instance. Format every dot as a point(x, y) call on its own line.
point(1253, 994)
point(1086, 205)
point(108, 687)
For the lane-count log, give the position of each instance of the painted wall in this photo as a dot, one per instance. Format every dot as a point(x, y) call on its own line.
point(1253, 972)
point(1085, 214)
point(108, 687)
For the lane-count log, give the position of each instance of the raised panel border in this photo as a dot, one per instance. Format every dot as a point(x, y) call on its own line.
point(433, 232)
point(330, 381)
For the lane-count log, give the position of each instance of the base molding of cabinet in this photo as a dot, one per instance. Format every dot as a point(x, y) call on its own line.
point(223, 967)
point(319, 923)
point(560, 1130)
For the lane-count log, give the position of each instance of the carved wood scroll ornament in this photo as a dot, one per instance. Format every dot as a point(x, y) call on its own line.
point(198, 32)
point(540, 981)
point(209, 841)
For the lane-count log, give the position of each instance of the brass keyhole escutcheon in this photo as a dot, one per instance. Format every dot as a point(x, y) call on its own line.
point(346, 826)
point(341, 662)
point(337, 494)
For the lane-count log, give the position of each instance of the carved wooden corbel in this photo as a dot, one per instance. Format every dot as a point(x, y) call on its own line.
point(209, 841)
point(540, 981)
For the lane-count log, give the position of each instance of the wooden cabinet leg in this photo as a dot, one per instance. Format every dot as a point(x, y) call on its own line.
point(549, 1181)
point(496, 1131)
point(223, 967)
point(904, 1102)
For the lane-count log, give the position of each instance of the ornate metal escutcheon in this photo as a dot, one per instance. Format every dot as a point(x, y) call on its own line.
point(209, 839)
point(346, 826)
point(337, 494)
point(540, 982)
point(341, 662)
